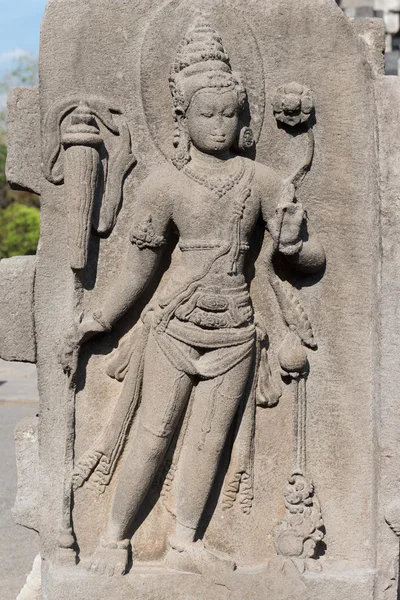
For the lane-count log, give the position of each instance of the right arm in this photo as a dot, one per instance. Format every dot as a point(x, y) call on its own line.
point(146, 243)
point(137, 271)
point(145, 247)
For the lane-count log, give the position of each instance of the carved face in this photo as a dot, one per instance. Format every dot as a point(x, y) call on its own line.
point(213, 120)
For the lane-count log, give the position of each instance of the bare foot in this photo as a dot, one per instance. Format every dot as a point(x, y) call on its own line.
point(194, 557)
point(110, 558)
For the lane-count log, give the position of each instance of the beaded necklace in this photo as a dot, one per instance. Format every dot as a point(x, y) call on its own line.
point(218, 184)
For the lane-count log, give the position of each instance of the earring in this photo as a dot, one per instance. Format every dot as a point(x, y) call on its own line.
point(181, 156)
point(246, 139)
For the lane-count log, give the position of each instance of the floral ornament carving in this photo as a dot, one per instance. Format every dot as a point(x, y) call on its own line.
point(144, 235)
point(298, 534)
point(293, 103)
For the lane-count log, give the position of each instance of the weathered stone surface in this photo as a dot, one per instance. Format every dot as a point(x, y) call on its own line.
point(372, 33)
point(243, 414)
point(23, 149)
point(17, 335)
point(388, 94)
point(282, 580)
point(26, 508)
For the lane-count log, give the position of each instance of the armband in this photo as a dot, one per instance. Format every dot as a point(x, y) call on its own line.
point(143, 235)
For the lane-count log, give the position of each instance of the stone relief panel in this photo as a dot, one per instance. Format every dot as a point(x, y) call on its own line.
point(196, 368)
point(200, 367)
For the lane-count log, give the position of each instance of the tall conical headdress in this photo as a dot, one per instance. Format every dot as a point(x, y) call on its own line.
point(201, 62)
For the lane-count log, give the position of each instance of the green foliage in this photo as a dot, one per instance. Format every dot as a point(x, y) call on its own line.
point(19, 211)
point(24, 71)
point(19, 230)
point(3, 156)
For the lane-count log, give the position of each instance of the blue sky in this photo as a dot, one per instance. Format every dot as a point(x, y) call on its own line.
point(20, 28)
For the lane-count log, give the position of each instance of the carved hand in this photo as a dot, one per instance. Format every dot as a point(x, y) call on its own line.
point(76, 335)
point(291, 217)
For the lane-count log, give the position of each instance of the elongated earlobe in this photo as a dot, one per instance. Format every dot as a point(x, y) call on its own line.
point(181, 155)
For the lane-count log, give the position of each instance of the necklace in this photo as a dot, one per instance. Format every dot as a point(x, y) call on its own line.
point(219, 184)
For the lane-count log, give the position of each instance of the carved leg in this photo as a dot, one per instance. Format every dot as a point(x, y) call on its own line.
point(165, 395)
point(214, 408)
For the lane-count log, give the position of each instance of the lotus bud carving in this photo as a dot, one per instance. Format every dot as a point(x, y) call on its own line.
point(292, 104)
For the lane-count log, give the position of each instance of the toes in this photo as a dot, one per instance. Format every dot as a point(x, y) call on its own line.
point(108, 565)
point(98, 567)
point(94, 567)
point(110, 571)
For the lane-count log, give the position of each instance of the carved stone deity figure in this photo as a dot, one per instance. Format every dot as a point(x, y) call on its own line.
point(198, 338)
point(218, 385)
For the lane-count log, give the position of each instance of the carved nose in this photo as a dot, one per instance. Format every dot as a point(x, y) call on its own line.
point(218, 126)
point(218, 131)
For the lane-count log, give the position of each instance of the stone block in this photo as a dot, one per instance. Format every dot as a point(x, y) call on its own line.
point(17, 335)
point(215, 328)
point(372, 32)
point(23, 149)
point(25, 511)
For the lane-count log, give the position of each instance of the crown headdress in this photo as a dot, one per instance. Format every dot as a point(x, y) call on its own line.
point(201, 62)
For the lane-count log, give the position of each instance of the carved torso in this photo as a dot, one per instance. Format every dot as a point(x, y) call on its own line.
point(214, 230)
point(208, 289)
point(195, 207)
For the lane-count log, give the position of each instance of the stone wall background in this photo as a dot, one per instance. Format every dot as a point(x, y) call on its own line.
point(389, 11)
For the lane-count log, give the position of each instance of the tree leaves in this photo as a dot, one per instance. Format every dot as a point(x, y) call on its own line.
point(19, 230)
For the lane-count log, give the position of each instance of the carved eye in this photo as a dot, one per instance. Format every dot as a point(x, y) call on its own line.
point(229, 114)
point(207, 115)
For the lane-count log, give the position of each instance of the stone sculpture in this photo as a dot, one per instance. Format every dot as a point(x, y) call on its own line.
point(201, 330)
point(213, 412)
